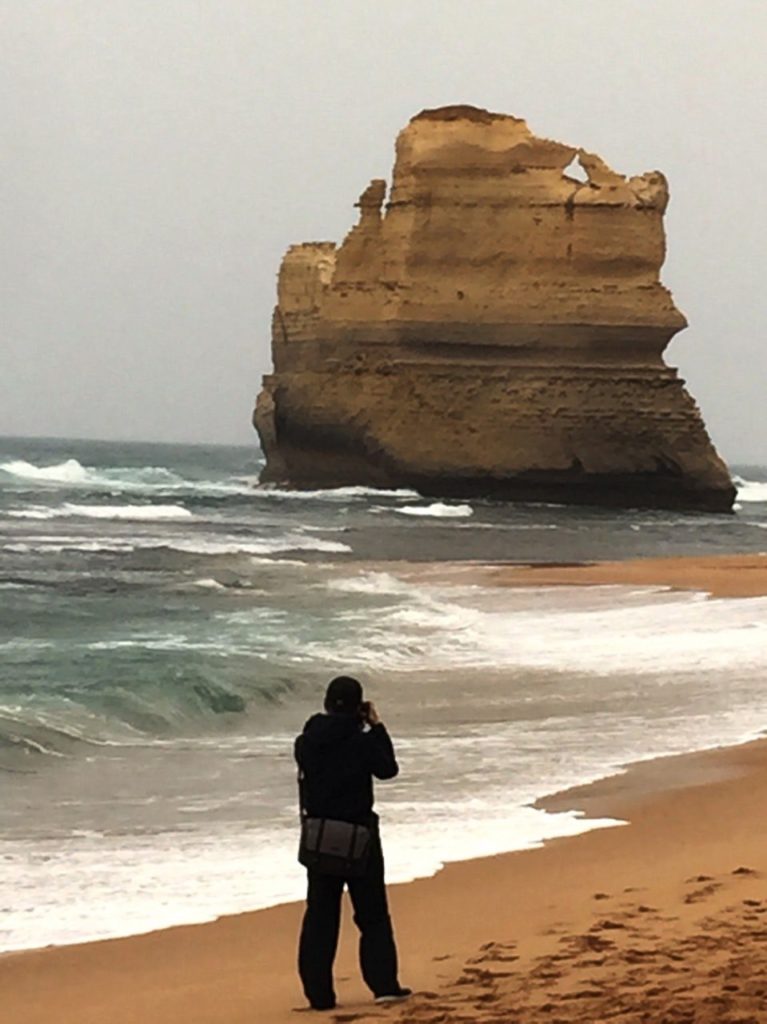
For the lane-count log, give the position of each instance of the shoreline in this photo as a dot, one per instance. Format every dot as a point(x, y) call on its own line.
point(673, 840)
point(718, 576)
point(589, 801)
point(592, 801)
point(680, 825)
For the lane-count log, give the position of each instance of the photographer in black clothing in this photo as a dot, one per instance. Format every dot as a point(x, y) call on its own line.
point(338, 753)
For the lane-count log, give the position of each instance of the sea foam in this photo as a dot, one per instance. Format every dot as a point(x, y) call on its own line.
point(68, 472)
point(193, 546)
point(132, 512)
point(438, 509)
point(130, 479)
point(751, 490)
point(333, 493)
point(603, 631)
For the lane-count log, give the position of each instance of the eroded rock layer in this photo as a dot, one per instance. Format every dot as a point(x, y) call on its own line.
point(496, 328)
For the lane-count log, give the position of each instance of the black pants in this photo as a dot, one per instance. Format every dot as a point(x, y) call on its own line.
point(322, 920)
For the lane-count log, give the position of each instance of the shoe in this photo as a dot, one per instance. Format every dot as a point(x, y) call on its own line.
point(318, 1006)
point(395, 996)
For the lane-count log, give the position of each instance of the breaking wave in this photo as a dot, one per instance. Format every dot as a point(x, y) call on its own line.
point(158, 479)
point(609, 631)
point(69, 472)
point(438, 509)
point(132, 512)
point(331, 493)
point(55, 544)
point(751, 490)
point(143, 479)
point(265, 546)
point(120, 714)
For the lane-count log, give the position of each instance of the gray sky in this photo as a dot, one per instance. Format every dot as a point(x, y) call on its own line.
point(160, 155)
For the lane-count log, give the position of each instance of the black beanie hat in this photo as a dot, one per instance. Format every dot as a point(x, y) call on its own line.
point(343, 695)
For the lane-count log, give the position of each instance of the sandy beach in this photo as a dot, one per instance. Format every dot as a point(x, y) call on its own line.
point(660, 919)
point(717, 575)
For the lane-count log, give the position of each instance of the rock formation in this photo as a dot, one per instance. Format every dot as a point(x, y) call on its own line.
point(496, 328)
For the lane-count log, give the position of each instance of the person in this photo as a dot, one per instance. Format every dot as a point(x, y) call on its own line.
point(338, 754)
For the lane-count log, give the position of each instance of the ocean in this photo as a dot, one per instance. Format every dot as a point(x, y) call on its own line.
point(167, 625)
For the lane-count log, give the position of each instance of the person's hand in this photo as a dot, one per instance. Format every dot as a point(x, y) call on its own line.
point(373, 717)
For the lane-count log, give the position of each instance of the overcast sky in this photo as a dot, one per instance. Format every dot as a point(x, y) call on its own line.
point(160, 155)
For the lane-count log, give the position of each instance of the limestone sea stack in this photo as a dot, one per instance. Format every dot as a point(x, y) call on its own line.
point(495, 328)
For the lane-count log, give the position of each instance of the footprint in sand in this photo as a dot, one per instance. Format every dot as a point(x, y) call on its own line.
point(588, 943)
point(496, 952)
point(553, 958)
point(700, 894)
point(547, 967)
point(491, 974)
point(585, 993)
point(598, 961)
point(635, 955)
point(606, 925)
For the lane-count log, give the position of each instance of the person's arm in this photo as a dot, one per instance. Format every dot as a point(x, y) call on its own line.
point(383, 763)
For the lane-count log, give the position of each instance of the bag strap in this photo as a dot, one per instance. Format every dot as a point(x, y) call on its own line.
point(301, 795)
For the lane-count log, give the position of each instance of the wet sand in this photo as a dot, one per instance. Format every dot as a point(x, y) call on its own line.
point(660, 919)
point(719, 576)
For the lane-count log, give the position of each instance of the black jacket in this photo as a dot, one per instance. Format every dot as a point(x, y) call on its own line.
point(337, 761)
